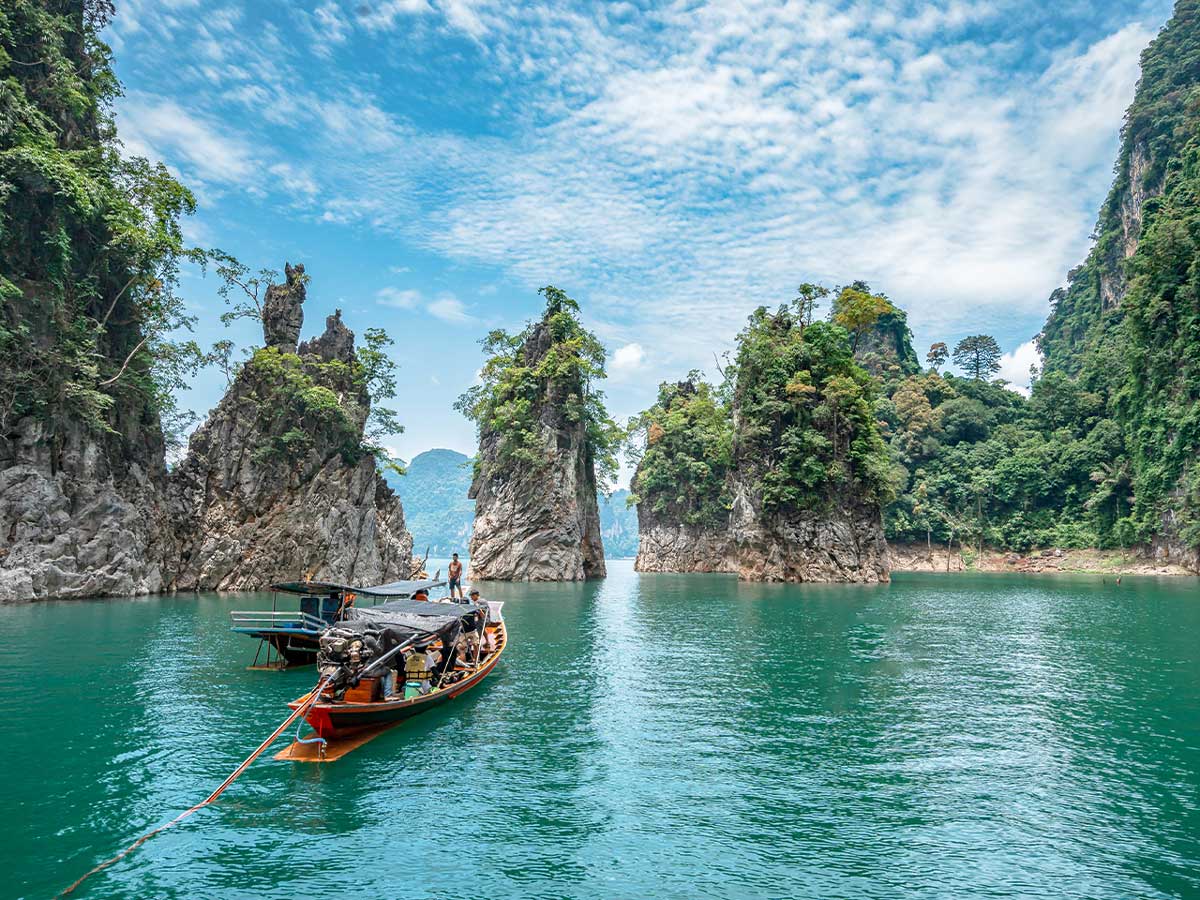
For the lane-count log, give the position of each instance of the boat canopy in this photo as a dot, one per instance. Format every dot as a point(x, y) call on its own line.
point(391, 589)
point(415, 615)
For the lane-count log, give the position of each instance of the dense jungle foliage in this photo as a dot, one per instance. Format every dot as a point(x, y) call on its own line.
point(1125, 332)
point(538, 377)
point(956, 459)
point(794, 415)
point(805, 432)
point(682, 447)
point(304, 403)
point(89, 242)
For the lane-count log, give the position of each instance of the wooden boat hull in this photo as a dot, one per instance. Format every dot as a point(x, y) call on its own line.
point(338, 719)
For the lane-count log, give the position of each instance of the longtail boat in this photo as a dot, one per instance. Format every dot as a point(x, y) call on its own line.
point(384, 664)
point(290, 637)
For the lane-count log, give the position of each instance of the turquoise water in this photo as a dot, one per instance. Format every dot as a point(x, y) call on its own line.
point(646, 736)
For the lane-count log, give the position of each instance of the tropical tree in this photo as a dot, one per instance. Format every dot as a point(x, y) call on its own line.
point(377, 373)
point(856, 309)
point(243, 290)
point(937, 355)
point(808, 298)
point(979, 356)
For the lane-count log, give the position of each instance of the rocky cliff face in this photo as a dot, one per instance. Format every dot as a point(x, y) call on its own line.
point(808, 464)
point(538, 522)
point(841, 544)
point(275, 485)
point(666, 545)
point(81, 513)
point(81, 445)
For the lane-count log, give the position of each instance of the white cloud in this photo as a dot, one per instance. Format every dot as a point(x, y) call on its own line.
point(294, 179)
point(161, 129)
point(382, 14)
point(449, 309)
point(627, 359)
point(398, 298)
point(462, 14)
point(1015, 365)
point(676, 166)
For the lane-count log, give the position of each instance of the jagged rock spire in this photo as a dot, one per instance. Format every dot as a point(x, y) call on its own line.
point(283, 309)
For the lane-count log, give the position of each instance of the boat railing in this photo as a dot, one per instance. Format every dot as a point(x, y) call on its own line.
point(271, 620)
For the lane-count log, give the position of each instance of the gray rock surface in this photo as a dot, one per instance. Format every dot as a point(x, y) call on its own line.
point(1113, 281)
point(283, 309)
point(269, 492)
point(77, 518)
point(842, 544)
point(538, 523)
point(678, 547)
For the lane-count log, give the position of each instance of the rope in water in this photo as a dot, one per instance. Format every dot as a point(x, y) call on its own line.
point(300, 710)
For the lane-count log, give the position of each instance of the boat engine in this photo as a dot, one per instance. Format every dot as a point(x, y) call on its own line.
point(349, 647)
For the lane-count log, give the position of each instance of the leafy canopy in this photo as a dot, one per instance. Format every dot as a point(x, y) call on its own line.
point(683, 448)
point(546, 371)
point(806, 428)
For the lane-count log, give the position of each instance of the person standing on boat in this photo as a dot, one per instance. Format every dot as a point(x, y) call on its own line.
point(455, 573)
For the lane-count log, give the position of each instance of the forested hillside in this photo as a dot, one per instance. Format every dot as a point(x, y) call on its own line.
point(1123, 338)
point(434, 492)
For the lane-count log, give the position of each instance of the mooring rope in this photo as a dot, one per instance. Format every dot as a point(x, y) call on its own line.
point(233, 776)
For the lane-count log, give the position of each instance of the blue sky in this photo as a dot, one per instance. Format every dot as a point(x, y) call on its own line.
point(672, 166)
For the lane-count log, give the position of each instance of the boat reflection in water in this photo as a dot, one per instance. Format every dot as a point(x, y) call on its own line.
point(383, 664)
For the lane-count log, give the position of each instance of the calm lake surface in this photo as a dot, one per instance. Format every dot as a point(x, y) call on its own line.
point(646, 736)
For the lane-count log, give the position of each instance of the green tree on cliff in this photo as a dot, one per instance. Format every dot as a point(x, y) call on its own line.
point(516, 386)
point(682, 448)
point(937, 355)
point(807, 428)
point(979, 356)
point(857, 310)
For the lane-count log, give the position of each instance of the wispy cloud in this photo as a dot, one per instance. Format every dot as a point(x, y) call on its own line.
point(673, 167)
point(449, 309)
point(398, 298)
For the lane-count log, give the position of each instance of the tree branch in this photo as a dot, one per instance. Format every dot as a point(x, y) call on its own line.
point(124, 365)
point(120, 294)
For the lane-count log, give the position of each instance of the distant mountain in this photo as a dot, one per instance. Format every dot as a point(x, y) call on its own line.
point(436, 508)
point(618, 526)
point(439, 515)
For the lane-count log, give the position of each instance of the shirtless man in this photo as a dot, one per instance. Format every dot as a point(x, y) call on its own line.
point(455, 573)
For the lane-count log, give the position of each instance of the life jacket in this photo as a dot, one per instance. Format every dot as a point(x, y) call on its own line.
point(415, 667)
